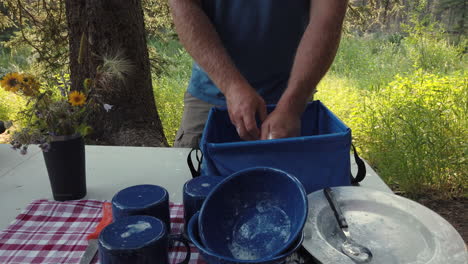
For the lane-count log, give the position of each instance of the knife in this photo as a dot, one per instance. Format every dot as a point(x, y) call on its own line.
point(92, 247)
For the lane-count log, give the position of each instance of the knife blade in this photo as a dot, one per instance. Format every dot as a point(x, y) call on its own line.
point(92, 238)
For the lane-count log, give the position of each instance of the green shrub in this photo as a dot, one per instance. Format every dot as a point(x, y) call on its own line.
point(14, 60)
point(370, 62)
point(343, 98)
point(429, 49)
point(414, 131)
point(11, 60)
point(10, 104)
point(170, 103)
point(170, 86)
point(418, 133)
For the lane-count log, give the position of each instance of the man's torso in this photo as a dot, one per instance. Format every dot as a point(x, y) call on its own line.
point(261, 37)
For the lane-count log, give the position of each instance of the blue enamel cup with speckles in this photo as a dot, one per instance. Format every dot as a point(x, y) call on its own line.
point(194, 193)
point(144, 199)
point(139, 239)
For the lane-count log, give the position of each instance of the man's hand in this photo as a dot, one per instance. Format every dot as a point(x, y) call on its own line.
point(199, 37)
point(244, 105)
point(313, 59)
point(281, 123)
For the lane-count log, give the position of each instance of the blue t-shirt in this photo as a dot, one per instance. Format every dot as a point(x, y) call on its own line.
point(261, 37)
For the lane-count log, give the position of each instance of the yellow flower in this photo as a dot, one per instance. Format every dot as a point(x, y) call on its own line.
point(11, 81)
point(30, 81)
point(77, 98)
point(29, 85)
point(27, 79)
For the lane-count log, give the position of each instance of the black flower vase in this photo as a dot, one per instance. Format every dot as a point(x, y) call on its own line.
point(65, 162)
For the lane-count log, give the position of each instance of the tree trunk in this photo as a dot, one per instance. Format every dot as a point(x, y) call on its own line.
point(111, 27)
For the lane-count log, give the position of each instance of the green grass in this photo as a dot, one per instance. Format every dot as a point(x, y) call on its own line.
point(369, 62)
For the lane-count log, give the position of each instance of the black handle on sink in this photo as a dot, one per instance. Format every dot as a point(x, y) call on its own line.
point(335, 207)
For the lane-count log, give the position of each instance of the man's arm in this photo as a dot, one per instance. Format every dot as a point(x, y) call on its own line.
point(199, 37)
point(314, 56)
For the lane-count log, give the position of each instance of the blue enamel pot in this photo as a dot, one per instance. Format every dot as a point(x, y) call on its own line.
point(253, 214)
point(213, 258)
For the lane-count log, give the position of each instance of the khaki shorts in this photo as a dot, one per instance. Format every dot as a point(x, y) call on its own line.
point(193, 122)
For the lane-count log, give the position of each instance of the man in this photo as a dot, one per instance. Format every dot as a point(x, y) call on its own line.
point(249, 53)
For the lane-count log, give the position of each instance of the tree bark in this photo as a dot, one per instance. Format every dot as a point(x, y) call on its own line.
point(115, 27)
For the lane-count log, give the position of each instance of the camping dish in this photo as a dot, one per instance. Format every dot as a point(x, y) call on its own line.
point(395, 229)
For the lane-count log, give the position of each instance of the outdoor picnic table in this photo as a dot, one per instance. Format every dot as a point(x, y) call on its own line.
point(24, 179)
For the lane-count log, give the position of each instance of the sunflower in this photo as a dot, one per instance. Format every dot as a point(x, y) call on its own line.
point(30, 81)
point(11, 81)
point(29, 85)
point(76, 98)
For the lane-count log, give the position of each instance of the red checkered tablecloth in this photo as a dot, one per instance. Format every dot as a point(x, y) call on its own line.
point(50, 232)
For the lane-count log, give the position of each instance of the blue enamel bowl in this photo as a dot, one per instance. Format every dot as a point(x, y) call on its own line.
point(253, 214)
point(213, 258)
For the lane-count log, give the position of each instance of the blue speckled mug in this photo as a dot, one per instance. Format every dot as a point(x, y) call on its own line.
point(145, 199)
point(194, 193)
point(137, 239)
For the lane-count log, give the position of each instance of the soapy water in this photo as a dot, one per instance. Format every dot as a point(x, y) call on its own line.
point(260, 230)
point(242, 253)
point(139, 227)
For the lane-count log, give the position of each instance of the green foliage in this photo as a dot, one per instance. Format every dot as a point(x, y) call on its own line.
point(169, 95)
point(345, 99)
point(158, 19)
point(418, 132)
point(11, 60)
point(369, 16)
point(406, 102)
point(429, 49)
point(370, 62)
point(414, 131)
point(158, 23)
point(169, 88)
point(457, 14)
point(9, 105)
point(42, 28)
point(14, 60)
point(373, 61)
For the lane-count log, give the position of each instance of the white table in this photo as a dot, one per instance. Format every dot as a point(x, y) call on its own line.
point(108, 170)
